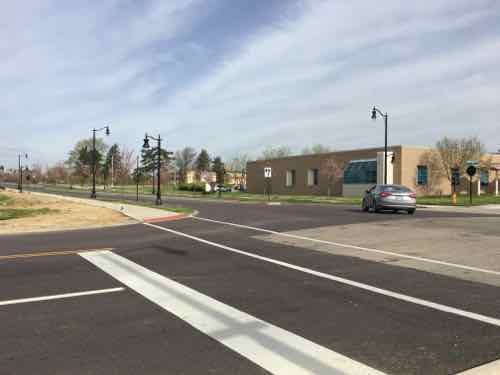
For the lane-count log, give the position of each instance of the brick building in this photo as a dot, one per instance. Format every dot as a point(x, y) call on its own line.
point(351, 172)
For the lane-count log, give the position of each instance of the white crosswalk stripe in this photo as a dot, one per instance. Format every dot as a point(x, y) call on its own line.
point(273, 348)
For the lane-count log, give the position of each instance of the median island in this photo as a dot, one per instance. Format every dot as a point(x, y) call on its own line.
point(27, 212)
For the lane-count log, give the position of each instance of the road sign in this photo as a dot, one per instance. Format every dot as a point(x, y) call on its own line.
point(267, 172)
point(471, 170)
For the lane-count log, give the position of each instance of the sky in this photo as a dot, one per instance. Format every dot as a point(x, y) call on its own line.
point(235, 76)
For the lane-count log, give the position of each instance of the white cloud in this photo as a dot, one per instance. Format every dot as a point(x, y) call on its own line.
point(311, 76)
point(315, 79)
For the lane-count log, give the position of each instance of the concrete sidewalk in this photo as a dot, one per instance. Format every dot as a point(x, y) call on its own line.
point(484, 209)
point(139, 213)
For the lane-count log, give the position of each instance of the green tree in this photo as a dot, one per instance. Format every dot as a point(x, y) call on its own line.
point(202, 163)
point(80, 158)
point(149, 161)
point(74, 154)
point(218, 168)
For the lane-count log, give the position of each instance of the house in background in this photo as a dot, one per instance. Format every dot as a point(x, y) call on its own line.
point(196, 177)
point(235, 178)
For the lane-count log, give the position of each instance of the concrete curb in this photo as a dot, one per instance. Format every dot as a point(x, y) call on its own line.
point(136, 212)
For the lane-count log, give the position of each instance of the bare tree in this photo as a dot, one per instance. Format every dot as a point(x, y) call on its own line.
point(127, 164)
point(238, 163)
point(334, 170)
point(454, 153)
point(184, 160)
point(272, 152)
point(316, 149)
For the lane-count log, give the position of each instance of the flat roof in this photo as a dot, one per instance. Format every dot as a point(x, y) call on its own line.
point(389, 147)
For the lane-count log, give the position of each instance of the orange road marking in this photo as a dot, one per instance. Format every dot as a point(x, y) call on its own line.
point(49, 253)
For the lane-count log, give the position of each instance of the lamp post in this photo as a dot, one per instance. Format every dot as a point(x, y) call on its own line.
point(375, 110)
point(2, 170)
point(20, 173)
point(137, 179)
point(106, 129)
point(158, 162)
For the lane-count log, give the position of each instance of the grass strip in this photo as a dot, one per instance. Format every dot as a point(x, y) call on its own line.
point(17, 213)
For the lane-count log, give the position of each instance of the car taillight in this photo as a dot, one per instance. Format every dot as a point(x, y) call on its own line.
point(413, 195)
point(385, 194)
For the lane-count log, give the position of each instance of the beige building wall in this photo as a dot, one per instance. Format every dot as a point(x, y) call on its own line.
point(302, 163)
point(405, 166)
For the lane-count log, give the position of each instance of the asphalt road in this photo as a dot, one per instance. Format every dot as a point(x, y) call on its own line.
point(204, 297)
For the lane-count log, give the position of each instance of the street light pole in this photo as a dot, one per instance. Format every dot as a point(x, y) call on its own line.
point(93, 195)
point(158, 162)
point(137, 179)
point(375, 110)
point(20, 173)
point(158, 191)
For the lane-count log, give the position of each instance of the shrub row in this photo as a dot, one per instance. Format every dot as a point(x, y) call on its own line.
point(191, 187)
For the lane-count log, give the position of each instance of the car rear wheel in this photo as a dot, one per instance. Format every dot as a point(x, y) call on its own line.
point(411, 211)
point(364, 206)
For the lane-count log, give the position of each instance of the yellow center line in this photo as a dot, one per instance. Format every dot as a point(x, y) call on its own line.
point(50, 253)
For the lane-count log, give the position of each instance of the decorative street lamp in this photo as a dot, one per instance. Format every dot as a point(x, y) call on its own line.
point(374, 117)
point(158, 163)
point(2, 170)
point(106, 129)
point(20, 173)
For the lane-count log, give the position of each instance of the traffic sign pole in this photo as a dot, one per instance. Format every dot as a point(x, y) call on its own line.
point(471, 171)
point(267, 175)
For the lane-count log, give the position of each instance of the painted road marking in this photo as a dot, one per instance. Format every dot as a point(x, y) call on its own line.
point(60, 296)
point(420, 259)
point(370, 288)
point(273, 348)
point(492, 368)
point(48, 253)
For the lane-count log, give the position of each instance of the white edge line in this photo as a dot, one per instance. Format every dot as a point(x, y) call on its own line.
point(428, 260)
point(492, 368)
point(399, 296)
point(60, 296)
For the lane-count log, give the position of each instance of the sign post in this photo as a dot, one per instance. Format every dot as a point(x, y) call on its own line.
point(268, 175)
point(471, 171)
point(455, 181)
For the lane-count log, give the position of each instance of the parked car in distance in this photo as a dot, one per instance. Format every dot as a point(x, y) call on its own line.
point(389, 197)
point(222, 188)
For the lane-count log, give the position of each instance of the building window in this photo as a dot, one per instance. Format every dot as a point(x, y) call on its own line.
point(484, 176)
point(421, 175)
point(361, 172)
point(290, 178)
point(312, 177)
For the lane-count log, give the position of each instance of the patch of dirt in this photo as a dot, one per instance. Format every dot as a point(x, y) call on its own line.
point(67, 215)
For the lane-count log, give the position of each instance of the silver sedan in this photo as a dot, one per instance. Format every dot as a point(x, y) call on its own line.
point(389, 197)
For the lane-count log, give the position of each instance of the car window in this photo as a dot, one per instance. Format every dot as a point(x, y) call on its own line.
point(396, 189)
